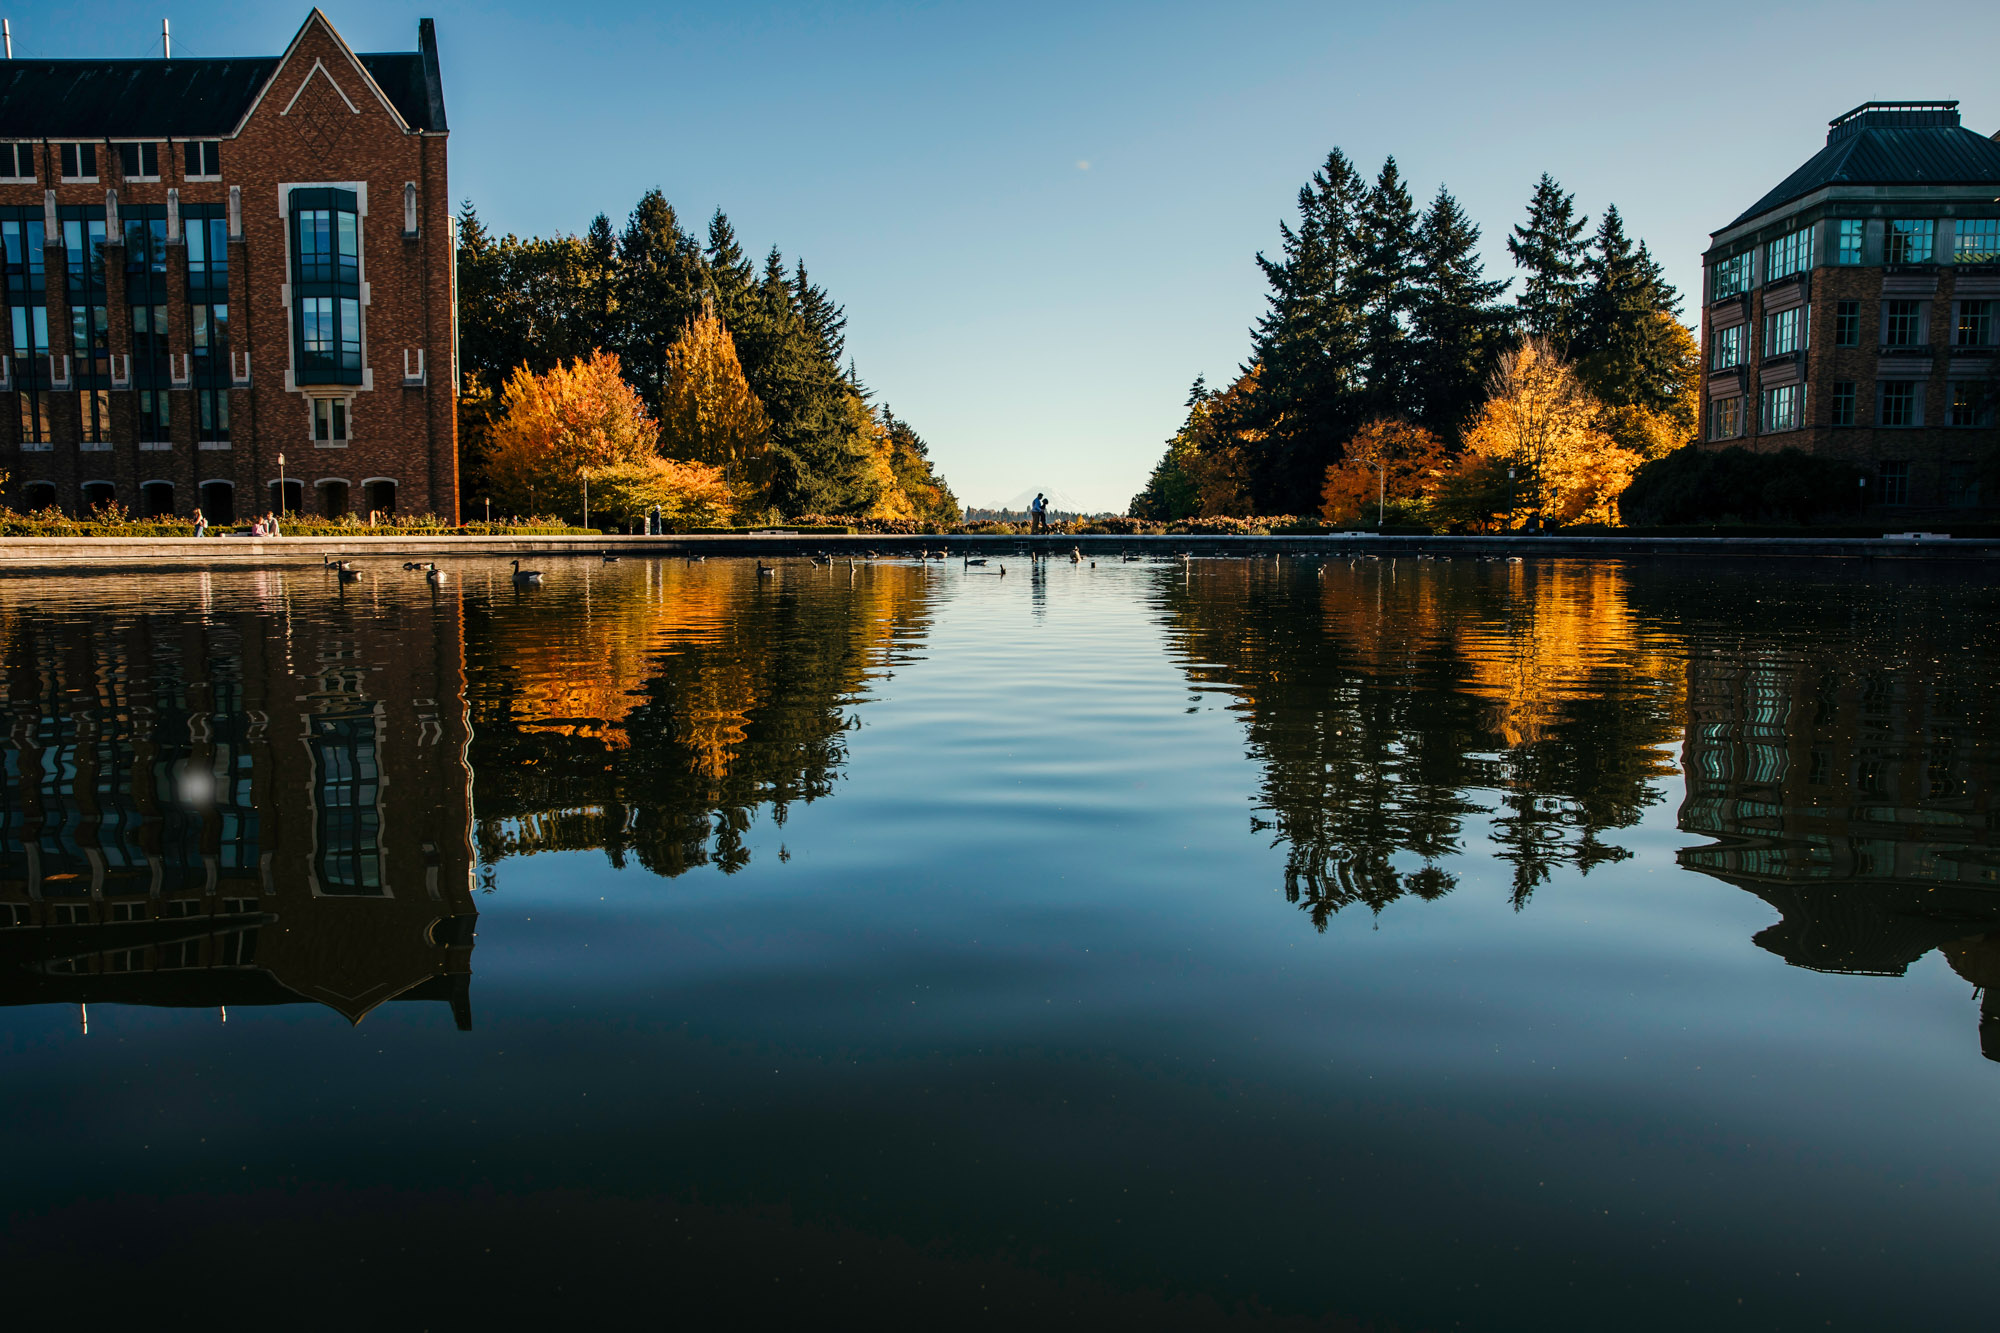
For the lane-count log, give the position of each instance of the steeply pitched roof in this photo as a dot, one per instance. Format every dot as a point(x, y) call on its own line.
point(91, 99)
point(1891, 143)
point(187, 99)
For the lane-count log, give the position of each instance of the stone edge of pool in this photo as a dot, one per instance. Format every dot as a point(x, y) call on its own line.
point(23, 554)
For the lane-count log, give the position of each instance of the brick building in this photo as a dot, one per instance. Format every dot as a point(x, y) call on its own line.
point(1853, 312)
point(212, 263)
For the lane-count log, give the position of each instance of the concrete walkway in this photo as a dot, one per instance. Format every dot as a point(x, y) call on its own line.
point(26, 554)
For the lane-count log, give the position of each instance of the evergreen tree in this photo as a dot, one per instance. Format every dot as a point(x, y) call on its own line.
point(660, 280)
point(1308, 344)
point(1459, 327)
point(731, 275)
point(1549, 248)
point(1625, 350)
point(824, 320)
point(600, 282)
point(1384, 289)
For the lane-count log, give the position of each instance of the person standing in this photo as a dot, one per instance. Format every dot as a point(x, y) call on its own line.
point(200, 524)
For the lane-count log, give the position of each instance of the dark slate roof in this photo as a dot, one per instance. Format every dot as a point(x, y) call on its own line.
point(1891, 143)
point(89, 99)
point(186, 99)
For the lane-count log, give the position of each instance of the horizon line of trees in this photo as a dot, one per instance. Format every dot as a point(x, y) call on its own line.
point(741, 369)
point(1385, 345)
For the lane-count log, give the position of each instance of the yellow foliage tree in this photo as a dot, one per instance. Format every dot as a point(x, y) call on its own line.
point(1548, 429)
point(709, 413)
point(582, 419)
point(877, 477)
point(1386, 460)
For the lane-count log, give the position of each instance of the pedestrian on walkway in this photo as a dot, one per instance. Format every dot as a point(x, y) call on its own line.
point(200, 524)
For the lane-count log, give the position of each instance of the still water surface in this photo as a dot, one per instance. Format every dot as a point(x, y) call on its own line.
point(1452, 944)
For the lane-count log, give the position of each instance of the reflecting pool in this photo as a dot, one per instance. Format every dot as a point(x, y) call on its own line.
point(1378, 943)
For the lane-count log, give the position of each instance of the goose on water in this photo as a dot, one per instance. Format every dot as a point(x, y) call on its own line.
point(347, 575)
point(434, 574)
point(610, 559)
point(766, 571)
point(526, 576)
point(328, 562)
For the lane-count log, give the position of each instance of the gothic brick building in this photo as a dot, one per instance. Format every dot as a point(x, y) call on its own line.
point(214, 263)
point(1854, 311)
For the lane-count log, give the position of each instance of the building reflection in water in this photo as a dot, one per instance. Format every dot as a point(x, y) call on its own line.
point(1853, 793)
point(207, 808)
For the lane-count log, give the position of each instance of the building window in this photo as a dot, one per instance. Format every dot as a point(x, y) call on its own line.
point(83, 245)
point(1962, 486)
point(1902, 323)
point(1975, 324)
point(17, 161)
point(1788, 255)
point(154, 417)
point(1843, 402)
point(1848, 236)
point(329, 417)
point(1895, 489)
point(347, 810)
point(1786, 332)
point(204, 159)
point(90, 342)
point(1900, 404)
point(1725, 418)
point(1726, 347)
point(94, 412)
point(212, 415)
point(1908, 241)
point(139, 161)
point(1730, 277)
point(1978, 241)
point(79, 161)
point(1847, 324)
point(1781, 408)
point(326, 284)
point(1971, 403)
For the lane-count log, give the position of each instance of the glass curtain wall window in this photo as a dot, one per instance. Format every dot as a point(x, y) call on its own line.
point(1900, 404)
point(326, 287)
point(1730, 277)
point(1975, 324)
point(24, 240)
point(1725, 418)
point(1902, 323)
point(84, 239)
point(1971, 404)
point(1788, 255)
point(1785, 333)
point(1908, 241)
point(1727, 348)
point(206, 227)
point(94, 413)
point(1781, 407)
point(1895, 475)
point(1978, 241)
point(1849, 235)
point(146, 303)
point(1847, 324)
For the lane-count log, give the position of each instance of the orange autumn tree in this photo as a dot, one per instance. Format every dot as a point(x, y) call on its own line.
point(1388, 459)
point(582, 419)
point(1547, 432)
point(709, 413)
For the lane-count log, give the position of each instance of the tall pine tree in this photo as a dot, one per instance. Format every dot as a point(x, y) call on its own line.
point(1384, 288)
point(1627, 349)
point(660, 281)
point(1458, 326)
point(1308, 345)
point(1549, 249)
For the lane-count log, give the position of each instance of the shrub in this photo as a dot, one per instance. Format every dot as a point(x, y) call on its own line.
point(1697, 485)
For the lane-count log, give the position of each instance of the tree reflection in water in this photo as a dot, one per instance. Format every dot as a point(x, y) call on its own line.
point(1390, 702)
point(653, 718)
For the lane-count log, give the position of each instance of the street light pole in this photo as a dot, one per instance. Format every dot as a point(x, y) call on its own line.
point(282, 511)
point(586, 499)
point(1381, 493)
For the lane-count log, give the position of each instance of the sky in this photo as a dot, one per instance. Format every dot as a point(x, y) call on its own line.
point(1043, 218)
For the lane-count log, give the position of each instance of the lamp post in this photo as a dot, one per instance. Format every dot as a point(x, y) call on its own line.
point(283, 512)
point(488, 501)
point(586, 497)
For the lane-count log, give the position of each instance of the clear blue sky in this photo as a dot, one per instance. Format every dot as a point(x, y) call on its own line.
point(1041, 217)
